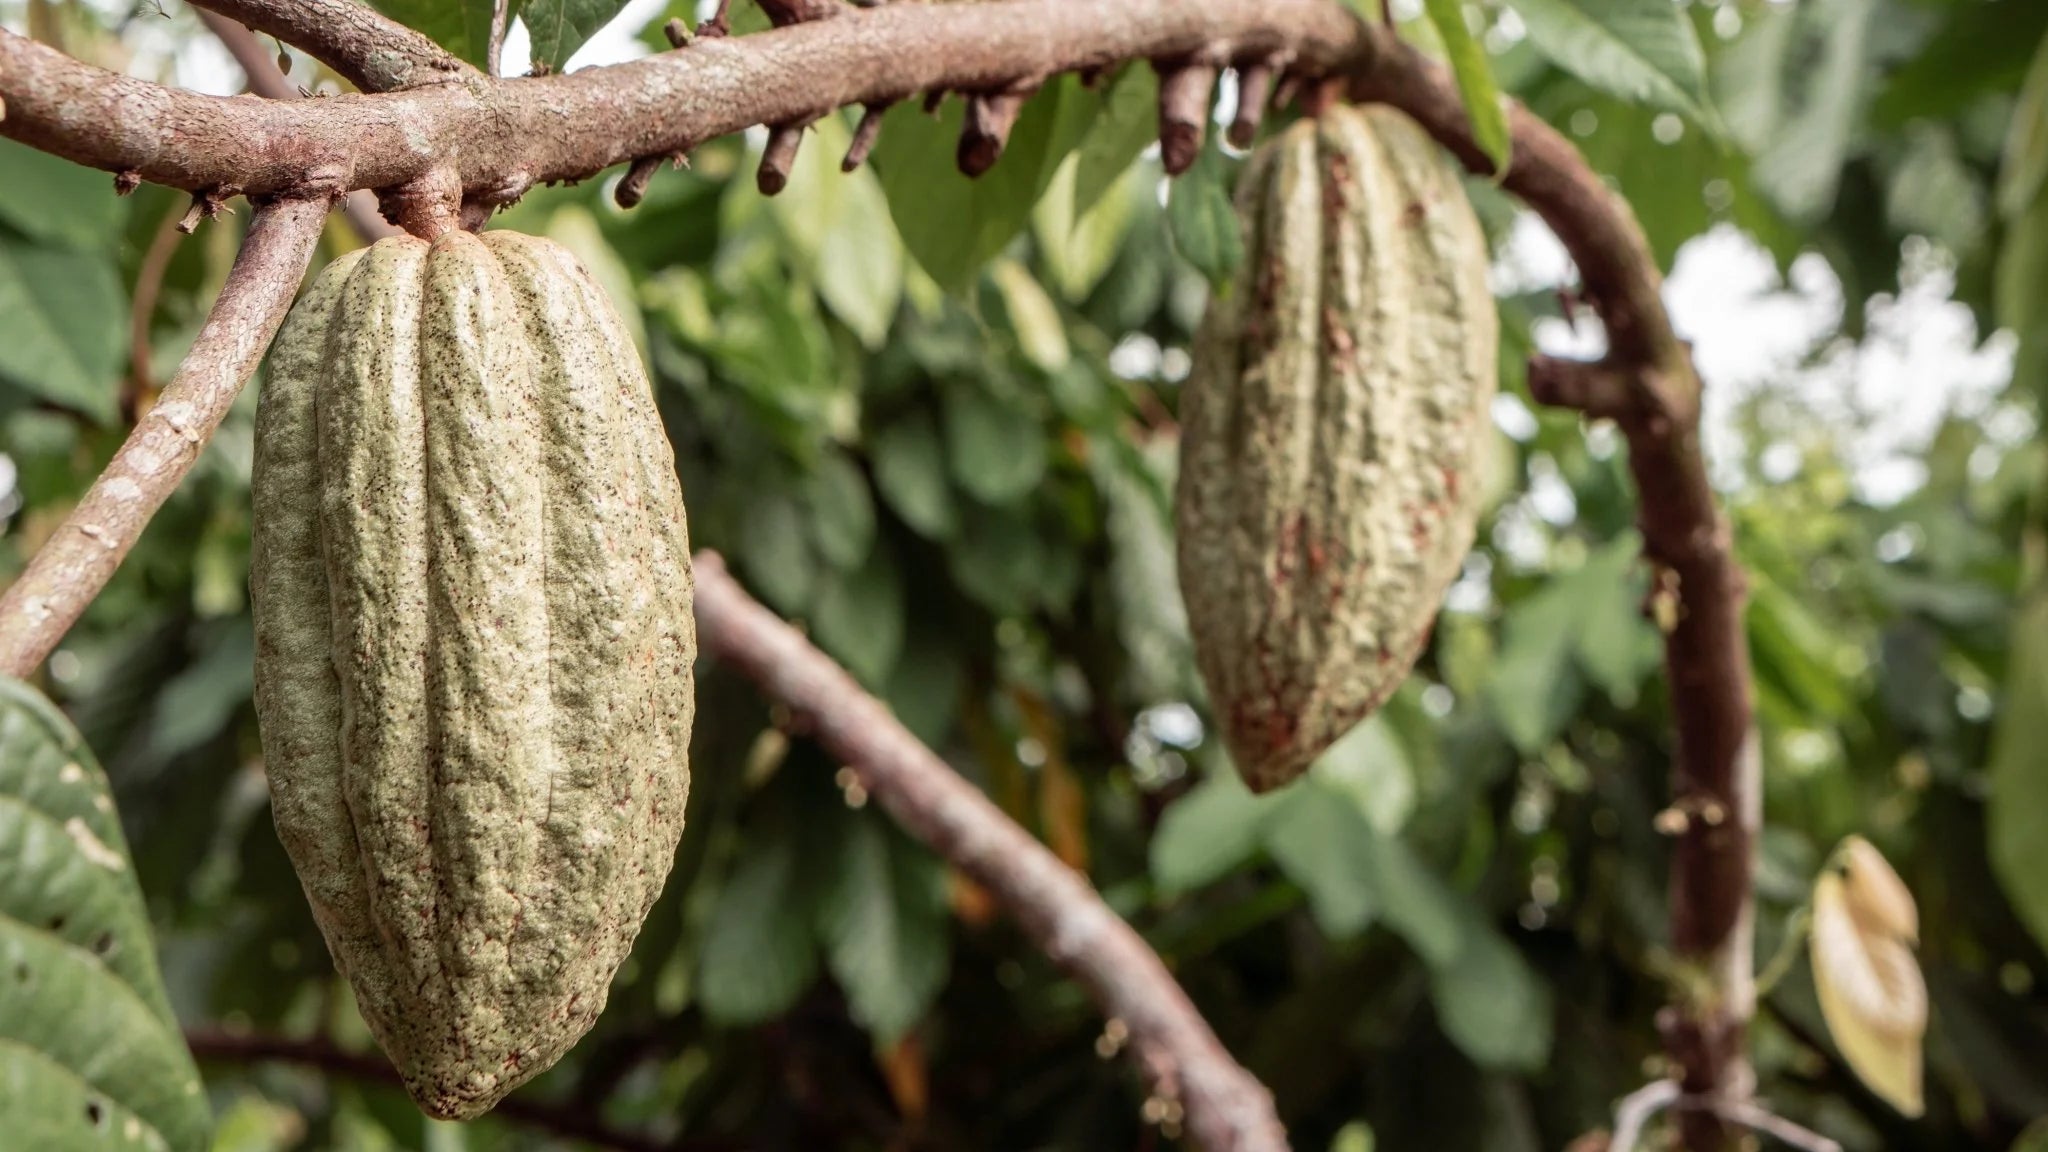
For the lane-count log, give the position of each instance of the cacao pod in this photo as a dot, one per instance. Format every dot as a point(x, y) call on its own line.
point(474, 646)
point(1333, 429)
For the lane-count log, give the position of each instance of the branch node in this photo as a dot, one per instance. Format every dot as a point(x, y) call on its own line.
point(678, 33)
point(990, 117)
point(1594, 387)
point(780, 155)
point(864, 136)
point(720, 24)
point(1254, 90)
point(932, 100)
point(126, 180)
point(429, 206)
point(1184, 90)
point(633, 186)
point(206, 204)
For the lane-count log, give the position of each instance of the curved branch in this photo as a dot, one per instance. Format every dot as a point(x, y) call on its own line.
point(569, 1123)
point(369, 50)
point(1226, 1109)
point(507, 135)
point(265, 80)
point(77, 562)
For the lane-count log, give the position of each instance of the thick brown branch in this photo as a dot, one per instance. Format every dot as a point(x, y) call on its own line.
point(265, 80)
point(1226, 1109)
point(369, 50)
point(1649, 385)
point(506, 135)
point(76, 563)
point(571, 1123)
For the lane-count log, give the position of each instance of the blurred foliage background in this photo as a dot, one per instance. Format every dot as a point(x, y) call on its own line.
point(933, 420)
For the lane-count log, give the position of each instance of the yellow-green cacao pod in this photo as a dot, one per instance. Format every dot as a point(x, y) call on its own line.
point(1333, 430)
point(471, 582)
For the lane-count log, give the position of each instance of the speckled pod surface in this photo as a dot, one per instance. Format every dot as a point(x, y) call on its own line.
point(1332, 431)
point(471, 583)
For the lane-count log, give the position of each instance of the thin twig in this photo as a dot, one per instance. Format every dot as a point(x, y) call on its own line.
point(77, 562)
point(149, 283)
point(1636, 1109)
point(494, 52)
point(1226, 1109)
point(574, 1122)
point(1749, 1115)
point(266, 80)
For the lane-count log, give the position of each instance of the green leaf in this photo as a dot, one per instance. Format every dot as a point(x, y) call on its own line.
point(996, 452)
point(883, 922)
point(2024, 167)
point(1202, 220)
point(1368, 766)
point(842, 512)
point(1616, 646)
point(253, 1124)
point(1474, 72)
point(1078, 242)
point(858, 617)
point(759, 951)
point(1802, 168)
point(559, 27)
point(63, 325)
point(1933, 192)
point(1208, 833)
point(2022, 294)
point(1491, 1005)
point(198, 702)
point(1641, 51)
point(56, 202)
point(1126, 126)
point(1535, 690)
point(91, 1057)
point(1324, 845)
point(461, 26)
point(997, 560)
point(951, 224)
point(839, 224)
point(2016, 814)
point(910, 471)
point(774, 545)
point(1034, 318)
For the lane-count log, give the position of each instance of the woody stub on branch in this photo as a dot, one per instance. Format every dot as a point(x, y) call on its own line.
point(442, 144)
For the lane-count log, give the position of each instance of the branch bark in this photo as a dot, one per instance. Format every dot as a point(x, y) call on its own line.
point(1226, 1109)
point(77, 562)
point(1648, 385)
point(507, 135)
point(570, 1123)
point(370, 51)
point(265, 80)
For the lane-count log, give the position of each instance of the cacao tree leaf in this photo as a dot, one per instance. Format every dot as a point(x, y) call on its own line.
point(1202, 220)
point(1209, 833)
point(1034, 318)
point(461, 26)
point(1474, 73)
point(952, 224)
point(2024, 167)
point(924, 687)
point(1641, 51)
point(842, 511)
point(1324, 845)
point(1933, 192)
point(883, 922)
point(91, 1058)
point(62, 326)
point(997, 559)
point(996, 452)
point(1491, 1004)
point(839, 224)
point(760, 953)
point(254, 1124)
point(1615, 646)
point(910, 471)
point(559, 27)
point(2034, 1139)
point(1802, 168)
point(1079, 241)
point(1368, 767)
point(2022, 293)
point(858, 617)
point(1535, 689)
point(53, 201)
point(1126, 126)
point(199, 701)
point(1980, 49)
point(2017, 811)
point(774, 545)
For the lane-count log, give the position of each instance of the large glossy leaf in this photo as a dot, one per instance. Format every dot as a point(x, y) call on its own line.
point(461, 26)
point(1474, 73)
point(2017, 812)
point(1642, 51)
point(559, 27)
point(883, 923)
point(62, 320)
point(839, 223)
point(1802, 167)
point(759, 950)
point(57, 202)
point(953, 224)
point(1203, 222)
point(91, 1058)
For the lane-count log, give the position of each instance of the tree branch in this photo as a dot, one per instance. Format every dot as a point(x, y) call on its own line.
point(265, 80)
point(569, 1123)
point(1182, 1061)
point(77, 562)
point(370, 50)
point(1649, 386)
point(507, 135)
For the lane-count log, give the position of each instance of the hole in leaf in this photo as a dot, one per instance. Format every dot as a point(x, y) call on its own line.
point(21, 973)
point(104, 946)
point(94, 1114)
point(57, 923)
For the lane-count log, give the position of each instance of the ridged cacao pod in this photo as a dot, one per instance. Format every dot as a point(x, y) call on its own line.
point(471, 583)
point(1333, 429)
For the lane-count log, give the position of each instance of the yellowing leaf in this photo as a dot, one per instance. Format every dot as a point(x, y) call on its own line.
point(1871, 991)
